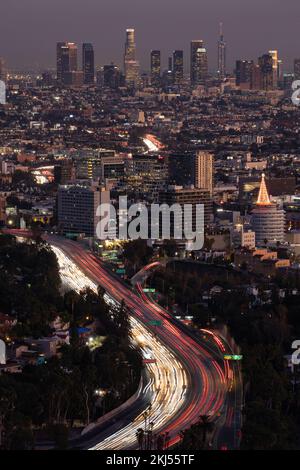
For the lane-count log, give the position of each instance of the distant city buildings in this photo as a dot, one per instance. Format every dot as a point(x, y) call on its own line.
point(178, 67)
point(243, 73)
point(155, 68)
point(88, 64)
point(204, 171)
point(221, 55)
point(66, 62)
point(266, 75)
point(275, 67)
point(199, 63)
point(131, 65)
point(111, 76)
point(297, 69)
point(2, 70)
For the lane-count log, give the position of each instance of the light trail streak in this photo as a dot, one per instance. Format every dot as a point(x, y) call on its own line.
point(168, 378)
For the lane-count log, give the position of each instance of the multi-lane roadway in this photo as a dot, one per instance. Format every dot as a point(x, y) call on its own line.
point(190, 378)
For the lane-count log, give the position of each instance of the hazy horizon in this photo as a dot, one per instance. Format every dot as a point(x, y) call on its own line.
point(30, 29)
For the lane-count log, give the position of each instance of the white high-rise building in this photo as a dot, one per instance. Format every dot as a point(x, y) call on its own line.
point(268, 221)
point(77, 206)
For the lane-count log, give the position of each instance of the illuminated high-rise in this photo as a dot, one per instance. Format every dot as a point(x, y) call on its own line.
point(204, 171)
point(177, 67)
point(88, 63)
point(199, 63)
point(221, 55)
point(274, 55)
point(268, 221)
point(66, 60)
point(155, 68)
point(131, 65)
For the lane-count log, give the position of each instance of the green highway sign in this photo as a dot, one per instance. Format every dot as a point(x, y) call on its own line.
point(232, 357)
point(120, 271)
point(149, 290)
point(155, 322)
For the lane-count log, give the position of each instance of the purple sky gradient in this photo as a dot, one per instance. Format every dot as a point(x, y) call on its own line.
point(29, 29)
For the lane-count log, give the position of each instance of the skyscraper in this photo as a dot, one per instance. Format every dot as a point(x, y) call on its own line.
point(265, 63)
point(274, 55)
point(111, 76)
point(280, 72)
point(177, 67)
point(131, 65)
point(155, 68)
point(199, 65)
point(297, 69)
point(77, 206)
point(204, 171)
point(2, 70)
point(221, 54)
point(243, 73)
point(88, 64)
point(66, 60)
point(268, 221)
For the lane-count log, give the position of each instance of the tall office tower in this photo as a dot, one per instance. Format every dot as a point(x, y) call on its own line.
point(77, 206)
point(181, 169)
point(131, 65)
point(274, 55)
point(65, 172)
point(88, 64)
point(243, 73)
point(280, 72)
point(167, 77)
point(297, 69)
point(111, 76)
point(256, 78)
point(204, 171)
point(199, 63)
point(265, 63)
point(268, 222)
point(66, 60)
point(2, 70)
point(155, 68)
point(221, 54)
point(189, 195)
point(178, 67)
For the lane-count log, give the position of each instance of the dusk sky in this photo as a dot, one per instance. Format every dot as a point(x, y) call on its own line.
point(29, 29)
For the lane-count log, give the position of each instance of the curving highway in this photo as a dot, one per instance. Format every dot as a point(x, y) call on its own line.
point(193, 379)
point(189, 377)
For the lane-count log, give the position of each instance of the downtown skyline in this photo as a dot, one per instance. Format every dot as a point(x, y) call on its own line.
point(104, 26)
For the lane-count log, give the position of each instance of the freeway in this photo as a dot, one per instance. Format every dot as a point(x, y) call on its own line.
point(227, 433)
point(193, 379)
point(189, 379)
